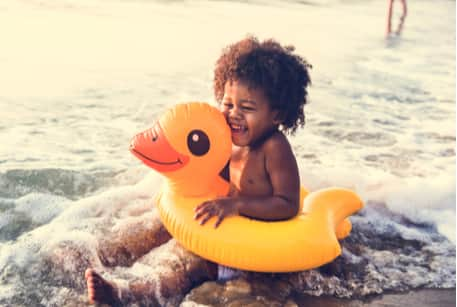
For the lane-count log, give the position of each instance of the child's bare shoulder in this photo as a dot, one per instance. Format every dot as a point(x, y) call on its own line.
point(277, 143)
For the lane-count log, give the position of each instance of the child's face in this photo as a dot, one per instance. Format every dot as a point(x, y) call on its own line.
point(248, 113)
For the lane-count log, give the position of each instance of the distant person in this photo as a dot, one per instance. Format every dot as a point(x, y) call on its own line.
point(402, 18)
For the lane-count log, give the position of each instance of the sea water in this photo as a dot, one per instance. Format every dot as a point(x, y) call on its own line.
point(79, 78)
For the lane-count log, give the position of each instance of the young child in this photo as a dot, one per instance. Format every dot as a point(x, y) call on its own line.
point(261, 88)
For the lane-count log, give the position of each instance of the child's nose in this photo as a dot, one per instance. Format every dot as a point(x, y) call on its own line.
point(235, 112)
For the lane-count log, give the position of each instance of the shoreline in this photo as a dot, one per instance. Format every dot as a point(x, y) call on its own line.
point(415, 298)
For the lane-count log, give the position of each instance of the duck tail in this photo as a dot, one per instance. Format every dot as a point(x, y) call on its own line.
point(335, 205)
point(343, 229)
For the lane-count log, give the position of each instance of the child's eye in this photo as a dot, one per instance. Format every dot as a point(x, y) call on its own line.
point(248, 108)
point(227, 104)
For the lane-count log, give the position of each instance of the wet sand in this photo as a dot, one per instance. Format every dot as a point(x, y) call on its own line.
point(417, 298)
point(240, 292)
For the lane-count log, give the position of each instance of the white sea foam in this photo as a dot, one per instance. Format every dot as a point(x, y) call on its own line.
point(41, 207)
point(420, 199)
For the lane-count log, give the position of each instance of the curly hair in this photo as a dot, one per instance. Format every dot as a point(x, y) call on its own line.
point(280, 74)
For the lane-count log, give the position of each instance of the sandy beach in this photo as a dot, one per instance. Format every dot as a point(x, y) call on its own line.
point(416, 298)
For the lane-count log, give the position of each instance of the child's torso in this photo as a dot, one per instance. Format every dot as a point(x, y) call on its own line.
point(248, 174)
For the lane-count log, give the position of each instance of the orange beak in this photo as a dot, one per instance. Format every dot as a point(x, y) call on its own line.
point(153, 149)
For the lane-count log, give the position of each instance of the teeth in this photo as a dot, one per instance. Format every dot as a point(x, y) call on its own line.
point(238, 127)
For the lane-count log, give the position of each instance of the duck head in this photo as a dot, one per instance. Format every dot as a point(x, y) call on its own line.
point(190, 144)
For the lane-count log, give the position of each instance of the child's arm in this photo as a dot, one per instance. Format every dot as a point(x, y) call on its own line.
point(282, 169)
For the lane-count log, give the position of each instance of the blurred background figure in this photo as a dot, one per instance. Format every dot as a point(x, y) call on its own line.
point(402, 18)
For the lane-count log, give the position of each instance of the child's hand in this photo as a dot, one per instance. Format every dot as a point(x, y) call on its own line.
point(221, 208)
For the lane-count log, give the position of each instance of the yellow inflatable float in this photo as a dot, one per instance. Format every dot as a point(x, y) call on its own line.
point(190, 144)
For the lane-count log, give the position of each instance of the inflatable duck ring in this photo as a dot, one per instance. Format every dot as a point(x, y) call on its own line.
point(190, 145)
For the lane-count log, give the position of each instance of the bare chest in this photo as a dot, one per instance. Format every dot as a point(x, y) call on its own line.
point(248, 174)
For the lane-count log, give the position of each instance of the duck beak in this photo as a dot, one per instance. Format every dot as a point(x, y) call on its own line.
point(153, 149)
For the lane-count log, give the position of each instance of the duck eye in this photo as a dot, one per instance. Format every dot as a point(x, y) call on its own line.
point(198, 142)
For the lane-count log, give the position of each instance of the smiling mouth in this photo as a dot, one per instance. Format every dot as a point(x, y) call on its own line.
point(238, 128)
point(155, 161)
